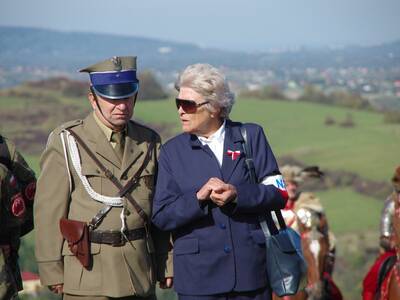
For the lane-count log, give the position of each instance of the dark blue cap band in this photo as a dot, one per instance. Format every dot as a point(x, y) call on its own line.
point(103, 78)
point(116, 91)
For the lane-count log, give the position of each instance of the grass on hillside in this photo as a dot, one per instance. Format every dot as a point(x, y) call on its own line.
point(348, 211)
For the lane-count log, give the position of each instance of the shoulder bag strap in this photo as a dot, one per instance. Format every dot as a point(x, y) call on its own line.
point(267, 224)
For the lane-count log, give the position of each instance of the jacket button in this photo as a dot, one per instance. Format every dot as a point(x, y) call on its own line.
point(124, 177)
point(227, 249)
point(222, 226)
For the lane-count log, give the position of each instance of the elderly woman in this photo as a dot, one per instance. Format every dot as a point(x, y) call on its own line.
point(203, 194)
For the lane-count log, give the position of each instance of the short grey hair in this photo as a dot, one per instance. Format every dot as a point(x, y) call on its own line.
point(209, 82)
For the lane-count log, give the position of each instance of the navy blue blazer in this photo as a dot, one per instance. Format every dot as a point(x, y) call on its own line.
point(216, 250)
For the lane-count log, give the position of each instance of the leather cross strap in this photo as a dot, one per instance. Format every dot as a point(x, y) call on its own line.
point(123, 190)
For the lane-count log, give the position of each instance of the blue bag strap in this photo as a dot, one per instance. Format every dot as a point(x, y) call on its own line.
point(268, 225)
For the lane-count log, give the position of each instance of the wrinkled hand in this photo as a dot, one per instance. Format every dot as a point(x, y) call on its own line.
point(217, 191)
point(225, 194)
point(204, 193)
point(222, 193)
point(167, 283)
point(57, 288)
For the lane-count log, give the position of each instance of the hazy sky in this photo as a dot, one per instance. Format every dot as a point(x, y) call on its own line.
point(253, 25)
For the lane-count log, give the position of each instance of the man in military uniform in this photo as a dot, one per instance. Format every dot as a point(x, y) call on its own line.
point(387, 256)
point(100, 171)
point(17, 189)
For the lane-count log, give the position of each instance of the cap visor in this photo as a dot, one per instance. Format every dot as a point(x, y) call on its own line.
point(116, 91)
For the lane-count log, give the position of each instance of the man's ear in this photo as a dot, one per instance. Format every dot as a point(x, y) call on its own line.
point(92, 99)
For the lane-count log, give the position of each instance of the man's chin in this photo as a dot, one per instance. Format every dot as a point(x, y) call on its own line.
point(121, 120)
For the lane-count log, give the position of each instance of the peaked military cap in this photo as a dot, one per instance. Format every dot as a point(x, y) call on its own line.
point(114, 78)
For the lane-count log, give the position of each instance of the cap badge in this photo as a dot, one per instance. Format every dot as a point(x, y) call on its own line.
point(117, 63)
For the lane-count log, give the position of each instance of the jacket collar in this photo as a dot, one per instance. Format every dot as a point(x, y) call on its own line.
point(99, 143)
point(135, 144)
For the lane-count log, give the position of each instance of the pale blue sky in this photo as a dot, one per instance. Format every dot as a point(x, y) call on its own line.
point(253, 25)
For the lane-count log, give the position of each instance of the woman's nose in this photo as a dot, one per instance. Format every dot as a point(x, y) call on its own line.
point(180, 110)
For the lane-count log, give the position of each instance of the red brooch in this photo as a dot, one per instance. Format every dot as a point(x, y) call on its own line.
point(233, 154)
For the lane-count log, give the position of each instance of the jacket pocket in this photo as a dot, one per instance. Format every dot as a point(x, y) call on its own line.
point(97, 179)
point(91, 170)
point(76, 277)
point(186, 246)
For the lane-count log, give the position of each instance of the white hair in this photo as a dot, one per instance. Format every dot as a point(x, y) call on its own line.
point(209, 82)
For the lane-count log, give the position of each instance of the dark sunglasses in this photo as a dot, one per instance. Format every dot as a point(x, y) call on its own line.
point(189, 106)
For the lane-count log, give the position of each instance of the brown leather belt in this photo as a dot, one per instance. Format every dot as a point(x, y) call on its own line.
point(115, 238)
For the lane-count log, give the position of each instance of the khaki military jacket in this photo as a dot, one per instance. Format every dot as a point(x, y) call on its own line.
point(117, 271)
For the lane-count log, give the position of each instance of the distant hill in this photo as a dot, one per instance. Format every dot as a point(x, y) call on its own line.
point(37, 52)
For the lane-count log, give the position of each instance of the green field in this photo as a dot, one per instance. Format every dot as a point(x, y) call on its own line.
point(350, 212)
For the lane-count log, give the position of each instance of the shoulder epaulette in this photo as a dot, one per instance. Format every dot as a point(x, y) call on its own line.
point(67, 125)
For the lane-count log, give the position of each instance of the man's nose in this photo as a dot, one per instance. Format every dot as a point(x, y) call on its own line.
point(122, 104)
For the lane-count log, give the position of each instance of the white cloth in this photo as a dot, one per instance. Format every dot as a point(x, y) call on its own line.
point(216, 143)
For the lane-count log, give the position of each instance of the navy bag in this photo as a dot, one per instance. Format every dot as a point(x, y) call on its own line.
point(286, 266)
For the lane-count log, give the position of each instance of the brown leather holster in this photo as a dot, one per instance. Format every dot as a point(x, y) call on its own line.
point(76, 233)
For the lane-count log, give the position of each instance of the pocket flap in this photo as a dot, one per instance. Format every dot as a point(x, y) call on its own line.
point(89, 169)
point(186, 246)
point(283, 241)
point(72, 230)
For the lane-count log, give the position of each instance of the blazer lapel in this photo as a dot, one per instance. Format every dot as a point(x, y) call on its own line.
point(99, 142)
point(233, 142)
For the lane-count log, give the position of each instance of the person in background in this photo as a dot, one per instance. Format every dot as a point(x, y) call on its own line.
point(17, 190)
point(387, 256)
